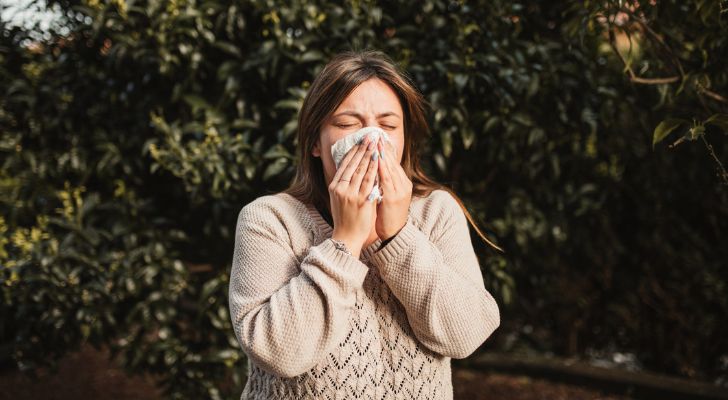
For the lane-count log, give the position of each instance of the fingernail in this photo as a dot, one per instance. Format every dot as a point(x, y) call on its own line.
point(375, 156)
point(382, 153)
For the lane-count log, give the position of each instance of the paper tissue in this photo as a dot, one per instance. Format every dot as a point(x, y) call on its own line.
point(343, 145)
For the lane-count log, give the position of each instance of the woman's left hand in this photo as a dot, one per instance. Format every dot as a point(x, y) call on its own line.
point(396, 190)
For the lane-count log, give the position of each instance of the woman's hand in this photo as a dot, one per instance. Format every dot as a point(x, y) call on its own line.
point(396, 189)
point(348, 191)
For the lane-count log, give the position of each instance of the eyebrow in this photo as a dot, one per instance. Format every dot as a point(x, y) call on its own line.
point(356, 114)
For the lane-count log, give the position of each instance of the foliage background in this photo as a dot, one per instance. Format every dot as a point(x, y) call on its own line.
point(133, 134)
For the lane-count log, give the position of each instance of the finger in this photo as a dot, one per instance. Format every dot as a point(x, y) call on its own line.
point(395, 169)
point(354, 163)
point(363, 166)
point(391, 163)
point(343, 163)
point(370, 177)
point(385, 179)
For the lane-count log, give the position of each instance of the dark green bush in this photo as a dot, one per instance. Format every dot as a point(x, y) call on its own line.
point(130, 144)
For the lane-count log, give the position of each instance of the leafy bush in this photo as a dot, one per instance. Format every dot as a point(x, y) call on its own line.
point(130, 143)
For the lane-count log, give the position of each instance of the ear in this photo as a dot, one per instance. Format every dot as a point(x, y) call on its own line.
point(316, 149)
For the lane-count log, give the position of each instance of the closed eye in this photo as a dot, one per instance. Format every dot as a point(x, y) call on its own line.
point(349, 125)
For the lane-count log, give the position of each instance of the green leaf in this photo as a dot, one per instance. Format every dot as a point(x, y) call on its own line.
point(288, 103)
point(491, 123)
point(446, 138)
point(664, 128)
point(468, 137)
point(277, 151)
point(719, 120)
point(460, 81)
point(311, 55)
point(228, 48)
point(275, 168)
point(196, 101)
point(695, 132)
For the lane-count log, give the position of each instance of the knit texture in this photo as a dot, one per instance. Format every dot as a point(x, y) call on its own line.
point(318, 323)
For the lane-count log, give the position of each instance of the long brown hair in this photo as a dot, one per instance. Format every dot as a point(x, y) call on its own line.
point(344, 72)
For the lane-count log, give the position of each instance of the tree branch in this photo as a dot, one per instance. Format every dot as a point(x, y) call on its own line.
point(632, 76)
point(710, 93)
point(722, 174)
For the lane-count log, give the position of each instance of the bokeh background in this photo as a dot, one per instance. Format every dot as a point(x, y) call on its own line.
point(588, 139)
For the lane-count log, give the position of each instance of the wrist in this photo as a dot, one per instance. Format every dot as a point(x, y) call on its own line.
point(388, 239)
point(351, 245)
point(385, 241)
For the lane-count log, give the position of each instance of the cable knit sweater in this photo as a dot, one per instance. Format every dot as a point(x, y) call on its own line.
point(318, 323)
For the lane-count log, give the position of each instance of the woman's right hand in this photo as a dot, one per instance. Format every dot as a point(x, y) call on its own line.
point(352, 213)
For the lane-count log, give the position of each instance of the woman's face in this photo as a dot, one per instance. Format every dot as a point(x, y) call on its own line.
point(372, 103)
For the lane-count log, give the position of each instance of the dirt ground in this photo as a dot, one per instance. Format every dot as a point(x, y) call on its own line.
point(89, 375)
point(470, 384)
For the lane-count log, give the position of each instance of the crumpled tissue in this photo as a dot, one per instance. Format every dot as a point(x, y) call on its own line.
point(343, 145)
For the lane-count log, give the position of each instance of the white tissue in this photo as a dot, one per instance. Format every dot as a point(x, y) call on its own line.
point(343, 145)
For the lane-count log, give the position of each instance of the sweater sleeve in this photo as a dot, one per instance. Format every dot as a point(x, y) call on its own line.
point(286, 314)
point(439, 283)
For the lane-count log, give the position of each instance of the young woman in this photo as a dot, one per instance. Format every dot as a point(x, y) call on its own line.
point(336, 297)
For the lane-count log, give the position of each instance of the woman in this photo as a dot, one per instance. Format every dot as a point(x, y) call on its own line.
point(336, 297)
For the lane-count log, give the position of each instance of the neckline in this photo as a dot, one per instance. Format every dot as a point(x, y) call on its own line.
point(326, 230)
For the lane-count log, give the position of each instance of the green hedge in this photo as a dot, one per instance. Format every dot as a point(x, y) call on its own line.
point(130, 144)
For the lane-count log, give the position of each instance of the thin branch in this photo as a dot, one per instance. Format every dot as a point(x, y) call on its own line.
point(654, 81)
point(722, 174)
point(710, 93)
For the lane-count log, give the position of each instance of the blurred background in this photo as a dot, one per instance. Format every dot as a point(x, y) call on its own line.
point(588, 139)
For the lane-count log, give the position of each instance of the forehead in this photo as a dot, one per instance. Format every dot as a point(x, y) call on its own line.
point(371, 96)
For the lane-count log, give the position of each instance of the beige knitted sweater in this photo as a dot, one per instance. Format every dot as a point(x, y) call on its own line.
point(318, 323)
